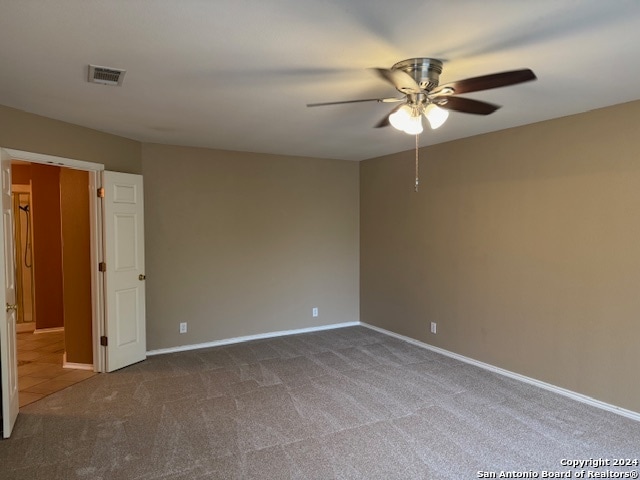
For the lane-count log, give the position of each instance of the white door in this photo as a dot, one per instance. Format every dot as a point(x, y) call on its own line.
point(124, 276)
point(9, 367)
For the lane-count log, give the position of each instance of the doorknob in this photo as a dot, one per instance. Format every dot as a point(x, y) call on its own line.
point(12, 307)
point(142, 276)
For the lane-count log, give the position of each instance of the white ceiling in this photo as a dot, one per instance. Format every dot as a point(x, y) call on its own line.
point(237, 74)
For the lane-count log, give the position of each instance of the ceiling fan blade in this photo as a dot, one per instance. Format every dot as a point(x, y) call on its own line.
point(381, 100)
point(399, 79)
point(385, 121)
point(467, 105)
point(343, 102)
point(486, 82)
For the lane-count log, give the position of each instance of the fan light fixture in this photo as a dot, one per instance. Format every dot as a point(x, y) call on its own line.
point(418, 80)
point(408, 118)
point(436, 115)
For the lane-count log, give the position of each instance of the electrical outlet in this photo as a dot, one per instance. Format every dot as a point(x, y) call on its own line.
point(314, 311)
point(434, 327)
point(183, 327)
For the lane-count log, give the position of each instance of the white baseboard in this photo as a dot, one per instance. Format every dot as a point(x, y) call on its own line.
point(248, 338)
point(75, 366)
point(48, 330)
point(507, 373)
point(501, 371)
point(25, 327)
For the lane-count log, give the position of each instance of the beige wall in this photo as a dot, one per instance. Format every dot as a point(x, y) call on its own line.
point(240, 243)
point(32, 133)
point(523, 245)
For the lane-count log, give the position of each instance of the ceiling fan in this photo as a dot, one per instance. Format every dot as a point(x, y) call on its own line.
point(418, 80)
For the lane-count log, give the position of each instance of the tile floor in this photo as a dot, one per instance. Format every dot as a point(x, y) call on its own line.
point(40, 371)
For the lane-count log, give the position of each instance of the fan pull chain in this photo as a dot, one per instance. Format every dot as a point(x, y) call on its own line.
point(417, 166)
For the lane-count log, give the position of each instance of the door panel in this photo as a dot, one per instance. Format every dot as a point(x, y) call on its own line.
point(124, 276)
point(8, 358)
point(126, 303)
point(125, 236)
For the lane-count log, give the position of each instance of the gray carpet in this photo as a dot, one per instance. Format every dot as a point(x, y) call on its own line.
point(349, 403)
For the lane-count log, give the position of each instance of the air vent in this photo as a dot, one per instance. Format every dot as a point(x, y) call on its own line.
point(106, 75)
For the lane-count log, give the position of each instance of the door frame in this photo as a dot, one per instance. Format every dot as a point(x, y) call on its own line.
point(96, 239)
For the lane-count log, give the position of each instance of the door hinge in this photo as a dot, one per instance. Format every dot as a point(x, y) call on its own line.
point(102, 267)
point(103, 341)
point(101, 192)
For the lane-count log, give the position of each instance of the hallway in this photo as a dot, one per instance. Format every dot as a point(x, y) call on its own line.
point(40, 371)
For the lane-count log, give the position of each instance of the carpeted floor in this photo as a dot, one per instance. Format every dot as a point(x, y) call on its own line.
point(349, 403)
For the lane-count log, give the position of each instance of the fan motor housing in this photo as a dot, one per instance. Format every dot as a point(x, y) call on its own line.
point(425, 71)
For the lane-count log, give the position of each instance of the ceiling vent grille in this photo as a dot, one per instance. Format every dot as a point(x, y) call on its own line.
point(106, 75)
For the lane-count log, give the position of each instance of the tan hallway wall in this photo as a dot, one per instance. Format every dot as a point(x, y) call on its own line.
point(523, 246)
point(76, 262)
point(21, 174)
point(47, 246)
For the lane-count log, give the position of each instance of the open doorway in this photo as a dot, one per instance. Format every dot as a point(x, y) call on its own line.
point(117, 279)
point(23, 233)
point(53, 278)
